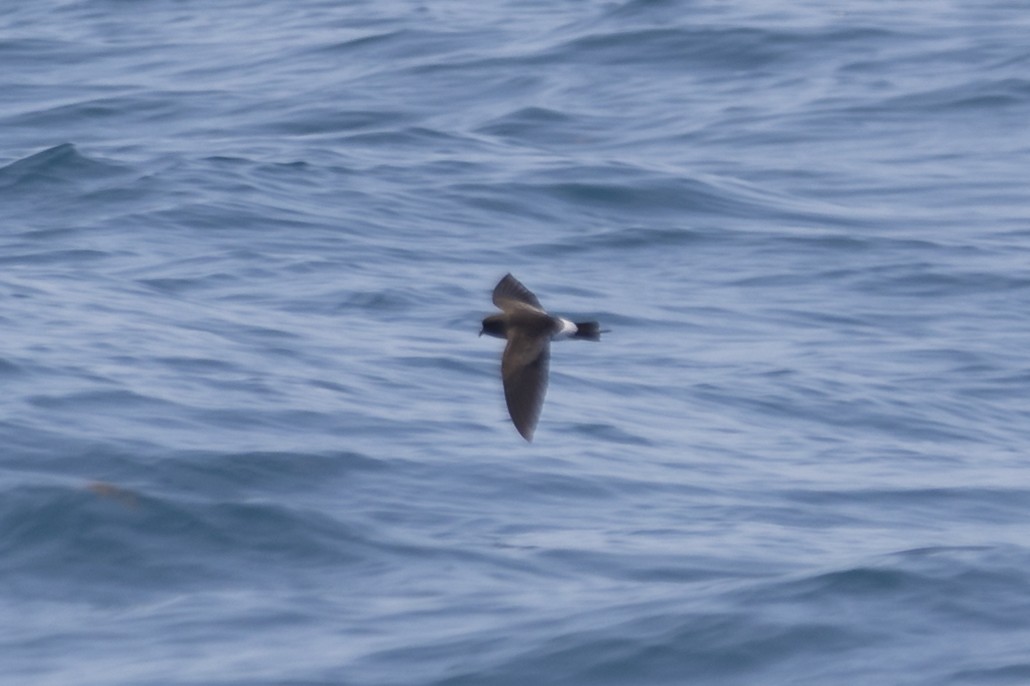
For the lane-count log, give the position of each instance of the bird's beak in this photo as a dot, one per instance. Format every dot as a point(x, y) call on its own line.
point(480, 333)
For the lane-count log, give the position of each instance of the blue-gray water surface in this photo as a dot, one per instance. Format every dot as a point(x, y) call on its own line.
point(249, 435)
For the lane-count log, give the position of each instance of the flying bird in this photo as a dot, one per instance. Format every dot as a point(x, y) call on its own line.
point(529, 330)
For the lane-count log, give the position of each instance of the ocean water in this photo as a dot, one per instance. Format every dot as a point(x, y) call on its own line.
point(249, 435)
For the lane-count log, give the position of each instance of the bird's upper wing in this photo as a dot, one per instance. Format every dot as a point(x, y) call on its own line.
point(509, 289)
point(524, 371)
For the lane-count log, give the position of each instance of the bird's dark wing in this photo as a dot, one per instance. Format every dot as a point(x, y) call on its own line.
point(524, 371)
point(509, 288)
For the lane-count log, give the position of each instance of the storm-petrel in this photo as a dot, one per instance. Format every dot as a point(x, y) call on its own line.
point(529, 331)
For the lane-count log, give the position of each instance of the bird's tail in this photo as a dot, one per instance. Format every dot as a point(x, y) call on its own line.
point(588, 330)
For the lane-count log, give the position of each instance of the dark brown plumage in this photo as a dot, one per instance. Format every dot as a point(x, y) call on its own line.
point(528, 328)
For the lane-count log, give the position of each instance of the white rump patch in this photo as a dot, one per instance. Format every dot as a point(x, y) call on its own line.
point(568, 329)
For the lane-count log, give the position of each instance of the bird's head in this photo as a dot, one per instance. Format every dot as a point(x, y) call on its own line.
point(494, 325)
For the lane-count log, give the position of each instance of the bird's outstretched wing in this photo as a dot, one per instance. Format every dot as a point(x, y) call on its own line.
point(524, 371)
point(509, 288)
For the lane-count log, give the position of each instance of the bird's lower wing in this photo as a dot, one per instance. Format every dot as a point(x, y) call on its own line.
point(524, 370)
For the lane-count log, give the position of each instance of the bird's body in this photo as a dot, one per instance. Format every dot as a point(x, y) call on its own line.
point(529, 330)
